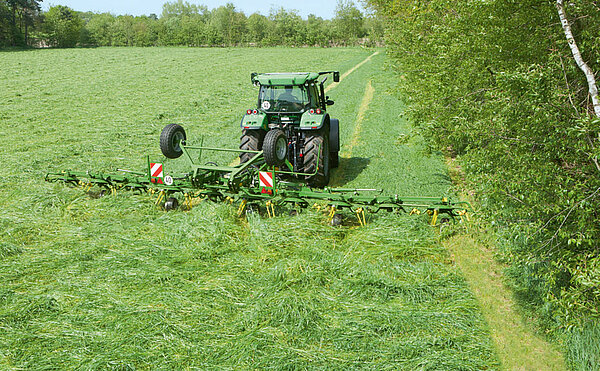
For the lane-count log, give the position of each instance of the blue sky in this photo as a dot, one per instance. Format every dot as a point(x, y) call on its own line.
point(322, 8)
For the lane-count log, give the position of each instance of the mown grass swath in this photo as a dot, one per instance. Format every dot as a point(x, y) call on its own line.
point(113, 282)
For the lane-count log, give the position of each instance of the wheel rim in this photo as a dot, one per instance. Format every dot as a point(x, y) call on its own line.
point(281, 149)
point(177, 138)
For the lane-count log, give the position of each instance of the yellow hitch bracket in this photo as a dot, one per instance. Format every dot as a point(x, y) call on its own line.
point(415, 211)
point(242, 208)
point(434, 217)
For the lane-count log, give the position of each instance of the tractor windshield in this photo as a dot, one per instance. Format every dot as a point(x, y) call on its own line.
point(280, 98)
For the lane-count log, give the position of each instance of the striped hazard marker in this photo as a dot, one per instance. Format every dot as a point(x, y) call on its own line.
point(266, 181)
point(156, 173)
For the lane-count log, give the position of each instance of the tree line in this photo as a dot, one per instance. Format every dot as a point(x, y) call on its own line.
point(495, 84)
point(183, 23)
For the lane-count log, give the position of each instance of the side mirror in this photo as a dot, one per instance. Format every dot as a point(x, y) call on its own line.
point(329, 102)
point(336, 77)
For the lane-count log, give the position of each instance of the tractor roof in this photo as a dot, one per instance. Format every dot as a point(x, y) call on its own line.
point(295, 78)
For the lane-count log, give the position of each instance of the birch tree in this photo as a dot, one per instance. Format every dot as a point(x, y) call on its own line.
point(589, 74)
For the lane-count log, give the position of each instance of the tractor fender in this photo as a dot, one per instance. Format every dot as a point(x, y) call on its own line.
point(255, 121)
point(313, 121)
point(334, 135)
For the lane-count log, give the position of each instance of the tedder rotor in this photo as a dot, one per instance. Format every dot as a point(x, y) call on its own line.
point(266, 179)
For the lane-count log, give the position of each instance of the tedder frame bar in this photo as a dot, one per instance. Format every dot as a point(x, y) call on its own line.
point(255, 183)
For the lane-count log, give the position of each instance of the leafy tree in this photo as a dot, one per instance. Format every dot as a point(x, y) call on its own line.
point(348, 21)
point(257, 25)
point(180, 8)
point(287, 27)
point(100, 29)
point(229, 25)
point(495, 83)
point(318, 31)
point(5, 25)
point(16, 19)
point(62, 26)
point(123, 31)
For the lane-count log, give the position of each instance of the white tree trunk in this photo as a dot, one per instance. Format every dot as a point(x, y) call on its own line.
point(589, 74)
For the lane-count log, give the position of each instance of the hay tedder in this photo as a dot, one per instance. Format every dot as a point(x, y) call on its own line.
point(287, 148)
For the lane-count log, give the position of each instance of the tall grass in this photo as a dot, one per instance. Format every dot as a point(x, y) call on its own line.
point(114, 283)
point(583, 349)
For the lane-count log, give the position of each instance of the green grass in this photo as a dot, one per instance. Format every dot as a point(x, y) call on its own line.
point(583, 350)
point(114, 283)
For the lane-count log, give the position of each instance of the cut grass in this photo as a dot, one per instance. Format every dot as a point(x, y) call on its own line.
point(115, 283)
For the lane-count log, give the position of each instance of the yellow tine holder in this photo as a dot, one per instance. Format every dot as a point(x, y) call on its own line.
point(332, 211)
point(360, 214)
point(270, 209)
point(415, 211)
point(434, 217)
point(465, 214)
point(188, 201)
point(161, 196)
point(242, 208)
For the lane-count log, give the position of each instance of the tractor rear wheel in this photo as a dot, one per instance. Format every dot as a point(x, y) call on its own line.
point(275, 148)
point(251, 140)
point(170, 139)
point(316, 158)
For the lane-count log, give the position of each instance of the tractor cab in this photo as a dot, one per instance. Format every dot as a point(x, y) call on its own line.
point(285, 98)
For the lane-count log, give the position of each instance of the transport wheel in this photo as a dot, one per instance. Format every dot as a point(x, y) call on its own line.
point(251, 140)
point(171, 204)
point(170, 139)
point(275, 147)
point(316, 153)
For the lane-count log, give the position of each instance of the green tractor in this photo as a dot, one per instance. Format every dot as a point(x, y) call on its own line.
point(291, 125)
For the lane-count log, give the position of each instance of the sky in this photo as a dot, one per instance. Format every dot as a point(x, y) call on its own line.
point(321, 8)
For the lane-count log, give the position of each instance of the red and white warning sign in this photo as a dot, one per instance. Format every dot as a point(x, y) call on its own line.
point(156, 171)
point(266, 181)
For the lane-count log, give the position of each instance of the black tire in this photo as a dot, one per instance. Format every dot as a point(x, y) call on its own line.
point(171, 204)
point(170, 138)
point(334, 143)
point(275, 148)
point(251, 140)
point(334, 159)
point(316, 149)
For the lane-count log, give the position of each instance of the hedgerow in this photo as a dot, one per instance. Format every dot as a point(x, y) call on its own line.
point(494, 83)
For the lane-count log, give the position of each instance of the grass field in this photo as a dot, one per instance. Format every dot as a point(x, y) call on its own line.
point(114, 283)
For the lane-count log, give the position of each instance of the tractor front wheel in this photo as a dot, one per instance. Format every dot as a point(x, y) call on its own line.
point(316, 158)
point(251, 140)
point(171, 138)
